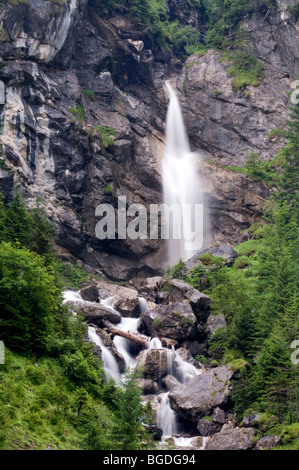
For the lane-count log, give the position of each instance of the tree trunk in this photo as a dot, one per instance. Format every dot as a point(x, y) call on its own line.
point(113, 331)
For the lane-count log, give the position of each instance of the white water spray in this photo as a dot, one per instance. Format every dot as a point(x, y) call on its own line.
point(182, 186)
point(177, 367)
point(109, 362)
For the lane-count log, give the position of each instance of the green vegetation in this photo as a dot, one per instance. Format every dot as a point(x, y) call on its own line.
point(217, 92)
point(89, 94)
point(246, 69)
point(53, 389)
point(258, 170)
point(106, 134)
point(224, 17)
point(258, 296)
point(79, 113)
point(131, 414)
point(69, 274)
point(294, 10)
point(108, 190)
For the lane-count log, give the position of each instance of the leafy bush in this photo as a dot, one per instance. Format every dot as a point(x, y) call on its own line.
point(182, 38)
point(198, 277)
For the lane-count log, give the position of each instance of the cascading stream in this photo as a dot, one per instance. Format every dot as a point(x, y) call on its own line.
point(177, 367)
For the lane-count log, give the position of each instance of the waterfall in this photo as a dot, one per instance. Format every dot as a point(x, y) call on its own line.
point(182, 187)
point(183, 370)
point(122, 344)
point(166, 417)
point(142, 305)
point(177, 366)
point(109, 362)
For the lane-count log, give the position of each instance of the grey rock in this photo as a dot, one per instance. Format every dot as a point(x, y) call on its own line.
point(230, 438)
point(221, 250)
point(95, 313)
point(201, 394)
point(218, 416)
point(104, 293)
point(252, 420)
point(90, 293)
point(152, 363)
point(170, 382)
point(176, 321)
point(268, 442)
point(200, 303)
point(148, 386)
point(207, 428)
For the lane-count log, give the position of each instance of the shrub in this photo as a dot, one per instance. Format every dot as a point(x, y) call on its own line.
point(294, 10)
point(245, 68)
point(27, 300)
point(106, 134)
point(108, 190)
point(79, 113)
point(89, 94)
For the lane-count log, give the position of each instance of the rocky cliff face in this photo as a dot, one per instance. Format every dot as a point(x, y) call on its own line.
point(84, 119)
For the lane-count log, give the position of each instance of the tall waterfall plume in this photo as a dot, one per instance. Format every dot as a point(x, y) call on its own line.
point(182, 187)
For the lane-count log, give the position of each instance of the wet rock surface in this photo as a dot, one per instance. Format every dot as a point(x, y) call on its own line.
point(202, 393)
point(175, 321)
point(51, 61)
point(95, 313)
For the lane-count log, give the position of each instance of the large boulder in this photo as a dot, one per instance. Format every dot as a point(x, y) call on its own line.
point(218, 416)
point(201, 394)
point(148, 386)
point(230, 438)
point(148, 284)
point(200, 303)
point(152, 363)
point(268, 442)
point(126, 299)
point(175, 321)
point(170, 382)
point(206, 427)
point(95, 313)
point(222, 251)
point(90, 293)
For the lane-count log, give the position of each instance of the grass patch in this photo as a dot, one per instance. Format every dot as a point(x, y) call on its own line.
point(70, 275)
point(79, 113)
point(107, 134)
point(108, 190)
point(259, 170)
point(245, 68)
point(208, 260)
point(89, 94)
